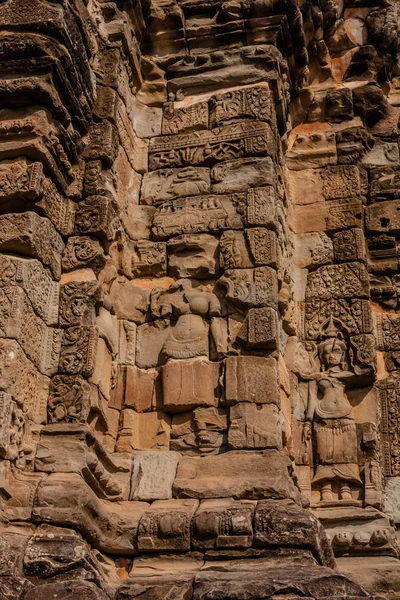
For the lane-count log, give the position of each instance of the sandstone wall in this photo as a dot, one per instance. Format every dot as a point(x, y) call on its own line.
point(199, 336)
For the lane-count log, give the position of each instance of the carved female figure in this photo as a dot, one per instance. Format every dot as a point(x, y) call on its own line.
point(334, 427)
point(187, 307)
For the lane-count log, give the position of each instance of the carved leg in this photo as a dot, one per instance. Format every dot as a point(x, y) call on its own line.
point(345, 492)
point(326, 492)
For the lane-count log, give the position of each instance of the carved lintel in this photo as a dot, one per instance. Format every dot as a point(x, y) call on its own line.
point(246, 138)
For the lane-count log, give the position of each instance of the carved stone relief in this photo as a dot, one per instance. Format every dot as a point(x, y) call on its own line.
point(199, 293)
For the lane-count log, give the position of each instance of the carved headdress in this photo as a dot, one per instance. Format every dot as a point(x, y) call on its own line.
point(332, 339)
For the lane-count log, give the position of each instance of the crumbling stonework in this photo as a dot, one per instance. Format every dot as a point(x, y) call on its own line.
point(199, 292)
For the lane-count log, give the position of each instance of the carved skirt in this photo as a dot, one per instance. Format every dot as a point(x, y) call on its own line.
point(336, 450)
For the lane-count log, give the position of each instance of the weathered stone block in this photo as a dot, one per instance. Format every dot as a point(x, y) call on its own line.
point(189, 383)
point(32, 132)
point(58, 208)
point(261, 207)
point(383, 154)
point(106, 103)
point(383, 217)
point(201, 431)
point(382, 254)
point(195, 255)
point(98, 181)
point(312, 151)
point(254, 426)
point(223, 524)
point(153, 475)
point(236, 474)
point(67, 448)
point(32, 236)
point(60, 553)
point(103, 143)
point(385, 183)
point(198, 214)
point(255, 101)
point(260, 329)
point(250, 288)
point(331, 215)
point(23, 381)
point(349, 245)
point(83, 252)
point(388, 331)
point(19, 321)
point(144, 259)
point(96, 215)
point(392, 498)
point(78, 350)
point(18, 489)
point(20, 181)
point(79, 302)
point(150, 340)
point(281, 524)
point(166, 525)
point(69, 399)
point(135, 147)
point(303, 580)
point(32, 277)
point(130, 301)
point(254, 247)
point(341, 182)
point(72, 590)
point(140, 431)
point(312, 250)
point(180, 120)
point(108, 526)
point(352, 527)
point(167, 184)
point(355, 315)
point(178, 586)
point(238, 175)
point(135, 388)
point(349, 280)
point(251, 379)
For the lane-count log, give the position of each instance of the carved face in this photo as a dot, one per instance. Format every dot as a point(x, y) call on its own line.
point(199, 431)
point(207, 431)
point(333, 353)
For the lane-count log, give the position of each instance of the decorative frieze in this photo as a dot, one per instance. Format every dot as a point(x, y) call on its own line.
point(250, 138)
point(78, 350)
point(353, 315)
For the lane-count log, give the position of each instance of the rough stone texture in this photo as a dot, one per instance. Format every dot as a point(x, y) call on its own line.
point(153, 475)
point(240, 475)
point(70, 590)
point(199, 298)
point(392, 498)
point(309, 582)
point(157, 588)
